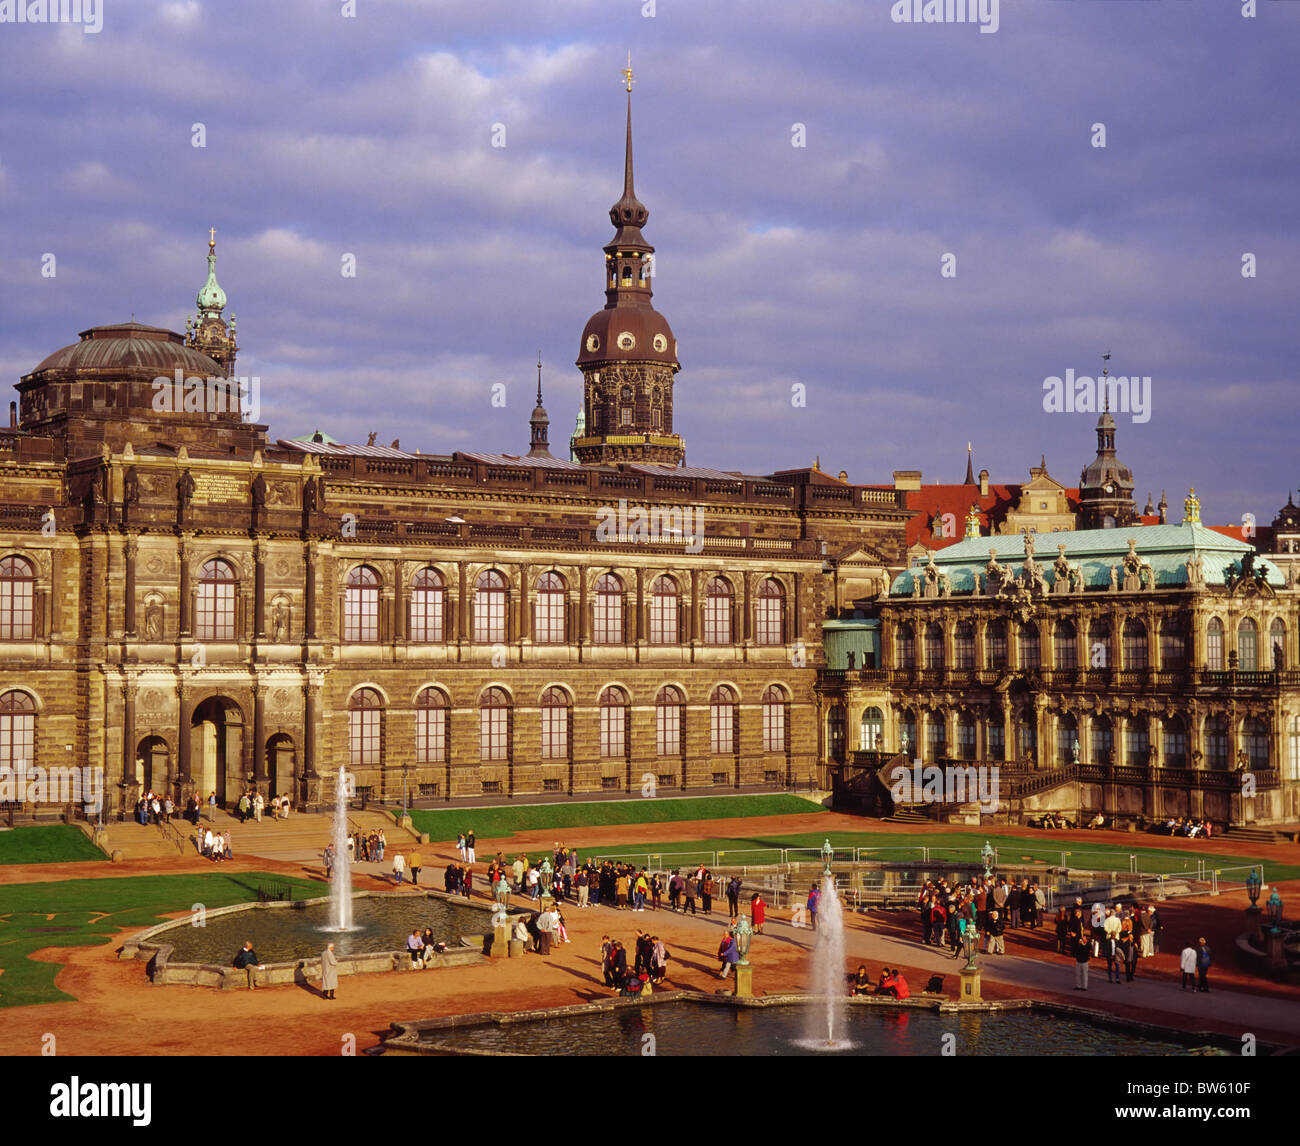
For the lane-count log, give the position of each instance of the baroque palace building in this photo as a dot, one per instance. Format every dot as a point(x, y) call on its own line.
point(1140, 670)
point(196, 608)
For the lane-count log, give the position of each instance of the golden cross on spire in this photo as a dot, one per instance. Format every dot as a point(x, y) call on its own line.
point(212, 236)
point(627, 73)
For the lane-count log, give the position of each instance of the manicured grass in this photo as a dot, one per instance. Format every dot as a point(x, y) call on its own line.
point(57, 843)
point(753, 850)
point(498, 823)
point(86, 912)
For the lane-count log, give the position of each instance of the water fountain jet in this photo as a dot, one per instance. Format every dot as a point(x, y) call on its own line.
point(341, 876)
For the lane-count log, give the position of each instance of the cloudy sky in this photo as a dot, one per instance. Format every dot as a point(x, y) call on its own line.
point(373, 135)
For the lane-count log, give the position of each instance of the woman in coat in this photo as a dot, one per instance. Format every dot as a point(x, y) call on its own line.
point(329, 972)
point(758, 910)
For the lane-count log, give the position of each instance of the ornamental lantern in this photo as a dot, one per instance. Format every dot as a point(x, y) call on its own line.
point(970, 945)
point(988, 855)
point(1274, 907)
point(1253, 884)
point(828, 854)
point(744, 935)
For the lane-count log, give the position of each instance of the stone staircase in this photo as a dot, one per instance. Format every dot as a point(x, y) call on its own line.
point(908, 814)
point(1283, 835)
point(138, 841)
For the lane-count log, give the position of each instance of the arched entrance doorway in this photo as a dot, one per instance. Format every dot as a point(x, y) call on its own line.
point(154, 760)
point(217, 748)
point(281, 764)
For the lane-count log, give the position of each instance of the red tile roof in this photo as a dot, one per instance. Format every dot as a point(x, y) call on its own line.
point(957, 500)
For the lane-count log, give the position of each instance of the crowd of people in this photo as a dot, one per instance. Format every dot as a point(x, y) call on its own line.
point(1121, 934)
point(213, 845)
point(989, 905)
point(649, 967)
point(891, 983)
point(1188, 827)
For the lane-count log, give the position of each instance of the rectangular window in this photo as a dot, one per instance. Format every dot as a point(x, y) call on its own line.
point(426, 615)
point(717, 620)
point(663, 619)
point(361, 614)
point(216, 612)
point(431, 735)
point(721, 728)
point(490, 615)
point(16, 610)
point(608, 782)
point(668, 732)
point(491, 787)
point(548, 619)
point(613, 719)
point(720, 779)
point(551, 785)
point(1214, 649)
point(607, 618)
point(555, 733)
point(774, 728)
point(17, 739)
point(493, 735)
point(767, 621)
point(363, 736)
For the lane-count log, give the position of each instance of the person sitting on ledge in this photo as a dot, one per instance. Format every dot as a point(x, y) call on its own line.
point(1097, 821)
point(860, 984)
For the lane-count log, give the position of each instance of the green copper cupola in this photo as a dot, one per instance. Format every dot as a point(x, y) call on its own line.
point(208, 333)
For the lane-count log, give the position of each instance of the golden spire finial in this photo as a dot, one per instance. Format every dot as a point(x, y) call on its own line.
point(212, 237)
point(627, 73)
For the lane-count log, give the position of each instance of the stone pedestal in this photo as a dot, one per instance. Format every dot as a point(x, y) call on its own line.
point(970, 986)
point(516, 948)
point(404, 821)
point(1276, 956)
point(744, 988)
point(548, 901)
point(500, 942)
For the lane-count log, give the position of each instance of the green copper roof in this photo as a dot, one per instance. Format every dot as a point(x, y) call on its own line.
point(1166, 548)
point(211, 296)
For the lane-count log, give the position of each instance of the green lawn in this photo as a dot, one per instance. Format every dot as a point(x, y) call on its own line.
point(58, 843)
point(499, 823)
point(945, 846)
point(86, 912)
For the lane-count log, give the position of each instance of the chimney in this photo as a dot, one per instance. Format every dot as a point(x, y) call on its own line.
point(13, 415)
point(984, 483)
point(907, 479)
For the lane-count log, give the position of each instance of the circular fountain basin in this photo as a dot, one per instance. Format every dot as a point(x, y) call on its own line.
point(691, 1024)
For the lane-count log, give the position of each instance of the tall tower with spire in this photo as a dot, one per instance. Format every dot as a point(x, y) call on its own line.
point(1106, 484)
point(628, 354)
point(207, 332)
point(539, 424)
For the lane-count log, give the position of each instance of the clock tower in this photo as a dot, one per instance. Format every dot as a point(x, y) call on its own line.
point(628, 354)
point(1106, 484)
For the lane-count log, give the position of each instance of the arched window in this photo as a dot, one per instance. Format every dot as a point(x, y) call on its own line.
point(905, 640)
point(1277, 643)
point(1254, 739)
point(365, 727)
point(663, 612)
point(717, 612)
point(607, 613)
point(490, 607)
point(996, 640)
point(431, 728)
point(934, 645)
point(722, 720)
point(428, 604)
point(494, 725)
point(769, 613)
point(775, 703)
point(1067, 732)
point(1247, 646)
point(871, 730)
point(1174, 746)
point(963, 645)
point(1031, 652)
point(669, 707)
point(1103, 739)
point(936, 736)
point(555, 724)
point(548, 610)
point(613, 722)
point(17, 590)
point(361, 605)
point(1216, 742)
point(836, 733)
point(1135, 644)
point(997, 734)
point(1065, 645)
point(17, 730)
point(1214, 645)
point(215, 620)
point(1173, 644)
point(965, 735)
point(1099, 650)
point(1137, 741)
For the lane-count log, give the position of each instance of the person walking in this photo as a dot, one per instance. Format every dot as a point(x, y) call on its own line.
point(399, 868)
point(733, 899)
point(690, 891)
point(469, 847)
point(1128, 951)
point(1082, 953)
point(329, 972)
point(212, 807)
point(996, 944)
point(413, 864)
point(460, 845)
point(1187, 964)
point(1155, 925)
point(1203, 962)
point(814, 897)
point(675, 886)
point(583, 882)
point(258, 804)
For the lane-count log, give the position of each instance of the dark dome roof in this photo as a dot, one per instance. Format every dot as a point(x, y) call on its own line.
point(131, 346)
point(643, 323)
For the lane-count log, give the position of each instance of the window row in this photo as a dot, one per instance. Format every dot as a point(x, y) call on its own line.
point(551, 621)
point(496, 713)
point(1099, 650)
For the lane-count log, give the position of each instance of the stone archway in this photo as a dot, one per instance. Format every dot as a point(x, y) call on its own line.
point(154, 760)
point(281, 765)
point(217, 749)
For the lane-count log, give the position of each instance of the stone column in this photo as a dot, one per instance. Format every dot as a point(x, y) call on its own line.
point(129, 690)
point(259, 591)
point(400, 627)
point(311, 621)
point(128, 622)
point(183, 557)
point(747, 623)
point(583, 635)
point(311, 695)
point(183, 743)
point(526, 629)
point(693, 626)
point(259, 734)
point(462, 609)
point(639, 632)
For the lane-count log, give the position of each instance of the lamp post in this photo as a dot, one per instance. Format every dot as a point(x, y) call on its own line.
point(828, 854)
point(1253, 884)
point(987, 854)
point(743, 935)
point(970, 974)
point(1276, 955)
point(1274, 907)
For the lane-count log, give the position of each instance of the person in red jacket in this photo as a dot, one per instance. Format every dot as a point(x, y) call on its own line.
point(759, 911)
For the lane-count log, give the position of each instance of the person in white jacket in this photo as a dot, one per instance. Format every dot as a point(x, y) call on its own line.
point(399, 868)
point(1187, 963)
